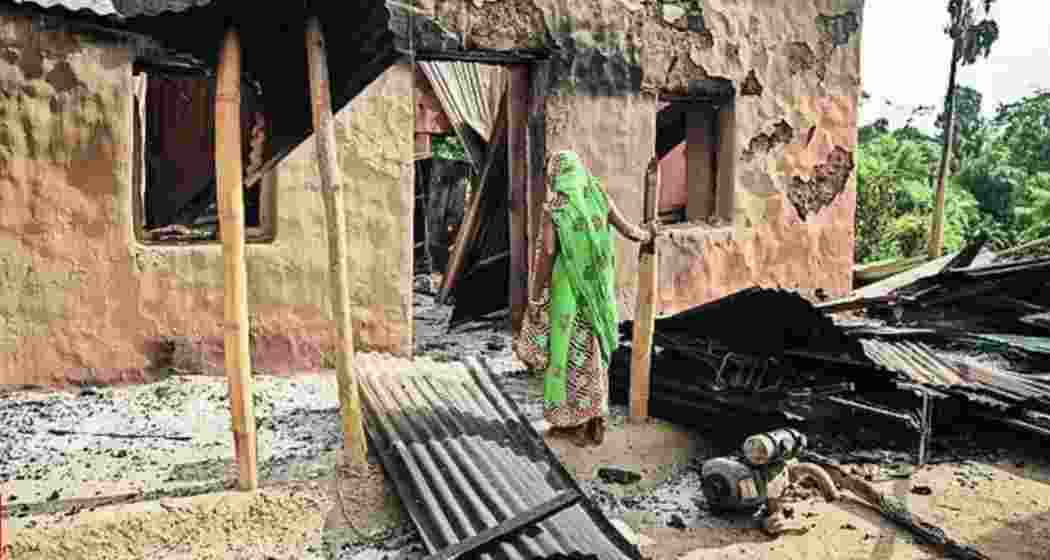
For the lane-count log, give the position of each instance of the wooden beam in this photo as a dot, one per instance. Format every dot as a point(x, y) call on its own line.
point(645, 316)
point(517, 154)
point(335, 213)
point(725, 162)
point(229, 178)
point(700, 150)
point(536, 149)
point(472, 220)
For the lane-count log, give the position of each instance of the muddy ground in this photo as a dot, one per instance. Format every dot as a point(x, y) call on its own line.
point(65, 467)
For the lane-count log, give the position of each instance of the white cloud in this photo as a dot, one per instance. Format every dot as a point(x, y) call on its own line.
point(905, 56)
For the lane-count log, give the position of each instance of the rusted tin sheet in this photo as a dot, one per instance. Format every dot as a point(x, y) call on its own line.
point(977, 382)
point(466, 462)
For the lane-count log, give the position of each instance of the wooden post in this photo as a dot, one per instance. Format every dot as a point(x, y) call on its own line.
point(645, 314)
point(229, 180)
point(517, 136)
point(536, 150)
point(335, 212)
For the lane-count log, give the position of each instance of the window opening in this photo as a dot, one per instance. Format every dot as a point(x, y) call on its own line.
point(694, 144)
point(175, 143)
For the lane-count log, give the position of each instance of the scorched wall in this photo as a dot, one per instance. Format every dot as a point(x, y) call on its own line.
point(795, 69)
point(82, 301)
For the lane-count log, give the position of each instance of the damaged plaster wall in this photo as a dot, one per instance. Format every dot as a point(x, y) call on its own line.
point(82, 301)
point(795, 69)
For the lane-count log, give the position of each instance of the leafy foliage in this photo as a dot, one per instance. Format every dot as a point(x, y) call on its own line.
point(968, 121)
point(448, 147)
point(1001, 189)
point(1000, 181)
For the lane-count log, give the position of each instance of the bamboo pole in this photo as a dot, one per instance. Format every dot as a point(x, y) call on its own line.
point(645, 314)
point(229, 179)
point(335, 212)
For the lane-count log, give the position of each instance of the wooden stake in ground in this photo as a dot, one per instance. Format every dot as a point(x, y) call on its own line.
point(335, 212)
point(645, 314)
point(229, 179)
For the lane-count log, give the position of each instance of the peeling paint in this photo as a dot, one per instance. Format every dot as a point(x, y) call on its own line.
point(810, 196)
point(764, 143)
point(82, 301)
point(751, 85)
point(801, 58)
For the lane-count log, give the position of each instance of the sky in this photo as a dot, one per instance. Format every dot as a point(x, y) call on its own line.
point(905, 56)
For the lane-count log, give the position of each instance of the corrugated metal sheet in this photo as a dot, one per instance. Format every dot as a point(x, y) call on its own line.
point(1033, 344)
point(1038, 320)
point(918, 362)
point(120, 8)
point(133, 8)
point(977, 382)
point(97, 7)
point(756, 321)
point(465, 460)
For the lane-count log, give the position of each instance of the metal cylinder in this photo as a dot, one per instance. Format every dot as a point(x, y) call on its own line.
point(774, 446)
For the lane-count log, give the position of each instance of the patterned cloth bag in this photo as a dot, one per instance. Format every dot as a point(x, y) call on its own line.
point(532, 343)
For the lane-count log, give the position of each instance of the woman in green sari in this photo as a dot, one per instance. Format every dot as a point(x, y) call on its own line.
point(572, 328)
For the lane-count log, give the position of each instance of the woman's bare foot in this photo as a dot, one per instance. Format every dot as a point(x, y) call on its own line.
point(596, 430)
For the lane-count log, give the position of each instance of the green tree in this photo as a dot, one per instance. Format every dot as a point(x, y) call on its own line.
point(884, 165)
point(1025, 126)
point(873, 130)
point(962, 217)
point(992, 177)
point(968, 123)
point(1033, 213)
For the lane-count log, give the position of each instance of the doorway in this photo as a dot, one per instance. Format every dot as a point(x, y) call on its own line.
point(472, 185)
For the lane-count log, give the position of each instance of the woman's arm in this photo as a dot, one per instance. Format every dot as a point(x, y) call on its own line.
point(622, 225)
point(620, 222)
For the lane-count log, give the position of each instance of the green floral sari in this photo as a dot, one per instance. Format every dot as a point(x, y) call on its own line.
point(582, 281)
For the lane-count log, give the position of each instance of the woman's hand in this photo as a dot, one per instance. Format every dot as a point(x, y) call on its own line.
point(651, 231)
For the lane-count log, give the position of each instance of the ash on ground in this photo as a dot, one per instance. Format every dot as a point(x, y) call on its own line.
point(66, 452)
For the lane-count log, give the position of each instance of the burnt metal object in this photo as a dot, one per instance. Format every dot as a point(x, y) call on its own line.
point(921, 420)
point(759, 322)
point(1026, 425)
point(483, 287)
point(1038, 320)
point(475, 477)
point(977, 383)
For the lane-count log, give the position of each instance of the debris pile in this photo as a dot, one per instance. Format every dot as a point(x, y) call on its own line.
point(970, 328)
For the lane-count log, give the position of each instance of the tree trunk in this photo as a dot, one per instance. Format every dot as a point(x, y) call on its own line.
point(936, 243)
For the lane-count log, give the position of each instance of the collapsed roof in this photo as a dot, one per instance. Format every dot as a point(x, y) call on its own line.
point(187, 34)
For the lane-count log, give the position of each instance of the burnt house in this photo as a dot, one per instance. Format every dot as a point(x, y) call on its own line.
point(107, 221)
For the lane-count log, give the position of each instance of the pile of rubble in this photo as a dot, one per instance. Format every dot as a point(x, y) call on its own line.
point(968, 332)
